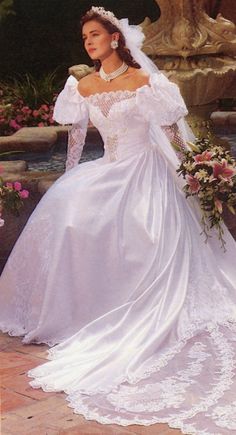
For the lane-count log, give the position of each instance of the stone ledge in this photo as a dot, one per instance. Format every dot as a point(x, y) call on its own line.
point(224, 119)
point(34, 139)
point(15, 166)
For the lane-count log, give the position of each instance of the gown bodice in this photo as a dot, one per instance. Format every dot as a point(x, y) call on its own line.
point(123, 127)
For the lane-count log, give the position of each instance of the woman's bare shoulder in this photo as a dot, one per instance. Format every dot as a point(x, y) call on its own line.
point(139, 77)
point(87, 83)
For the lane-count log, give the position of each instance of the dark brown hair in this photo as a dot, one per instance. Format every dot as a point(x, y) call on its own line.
point(122, 50)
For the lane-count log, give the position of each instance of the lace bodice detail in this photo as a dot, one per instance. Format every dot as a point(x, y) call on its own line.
point(122, 117)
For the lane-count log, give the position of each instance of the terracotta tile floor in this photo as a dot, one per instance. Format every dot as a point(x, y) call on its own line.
point(27, 411)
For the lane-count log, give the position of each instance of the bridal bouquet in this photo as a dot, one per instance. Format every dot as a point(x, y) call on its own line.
point(11, 197)
point(210, 173)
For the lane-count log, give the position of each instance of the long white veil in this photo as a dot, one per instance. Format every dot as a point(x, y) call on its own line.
point(134, 39)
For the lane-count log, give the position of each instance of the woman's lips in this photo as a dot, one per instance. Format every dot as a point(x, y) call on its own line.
point(91, 50)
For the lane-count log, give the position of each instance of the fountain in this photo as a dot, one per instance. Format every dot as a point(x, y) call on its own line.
point(196, 52)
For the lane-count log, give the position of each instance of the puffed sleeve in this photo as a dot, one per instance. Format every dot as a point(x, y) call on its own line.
point(71, 108)
point(161, 101)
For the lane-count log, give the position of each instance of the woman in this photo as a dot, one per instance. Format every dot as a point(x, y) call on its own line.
point(113, 255)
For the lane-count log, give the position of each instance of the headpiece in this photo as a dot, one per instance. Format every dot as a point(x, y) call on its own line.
point(133, 35)
point(108, 15)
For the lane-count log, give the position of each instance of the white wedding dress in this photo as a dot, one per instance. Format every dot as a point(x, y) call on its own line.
point(112, 260)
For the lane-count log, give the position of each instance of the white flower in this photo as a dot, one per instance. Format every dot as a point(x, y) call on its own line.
point(1, 222)
point(202, 174)
point(189, 166)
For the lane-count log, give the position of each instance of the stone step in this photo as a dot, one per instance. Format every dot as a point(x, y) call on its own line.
point(224, 119)
point(14, 167)
point(33, 139)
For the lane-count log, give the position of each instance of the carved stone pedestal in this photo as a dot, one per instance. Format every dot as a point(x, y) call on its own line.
point(196, 52)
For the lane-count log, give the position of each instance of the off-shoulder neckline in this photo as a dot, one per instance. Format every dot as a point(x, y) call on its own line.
point(116, 92)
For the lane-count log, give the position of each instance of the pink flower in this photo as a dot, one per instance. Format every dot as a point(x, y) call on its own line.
point(19, 118)
point(14, 124)
point(17, 186)
point(45, 107)
point(223, 171)
point(193, 183)
point(218, 205)
point(26, 109)
point(40, 124)
point(203, 157)
point(24, 194)
point(45, 116)
point(9, 185)
point(35, 113)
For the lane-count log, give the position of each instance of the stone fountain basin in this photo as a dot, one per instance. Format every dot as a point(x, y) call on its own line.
point(203, 86)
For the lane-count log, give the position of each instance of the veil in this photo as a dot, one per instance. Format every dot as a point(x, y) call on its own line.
point(134, 38)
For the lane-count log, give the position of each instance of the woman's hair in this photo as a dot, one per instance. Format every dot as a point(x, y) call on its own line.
point(122, 50)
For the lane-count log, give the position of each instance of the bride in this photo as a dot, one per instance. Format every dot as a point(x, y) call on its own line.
point(111, 265)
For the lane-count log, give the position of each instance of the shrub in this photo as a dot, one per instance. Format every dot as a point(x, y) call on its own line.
point(27, 101)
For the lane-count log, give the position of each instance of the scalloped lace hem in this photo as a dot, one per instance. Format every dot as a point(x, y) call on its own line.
point(136, 401)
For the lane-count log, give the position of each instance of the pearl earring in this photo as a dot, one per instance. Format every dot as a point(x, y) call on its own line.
point(114, 44)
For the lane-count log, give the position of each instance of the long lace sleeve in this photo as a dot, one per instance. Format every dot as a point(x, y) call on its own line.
point(174, 135)
point(76, 140)
point(71, 108)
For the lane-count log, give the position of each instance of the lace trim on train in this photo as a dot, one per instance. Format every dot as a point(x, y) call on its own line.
point(129, 400)
point(172, 394)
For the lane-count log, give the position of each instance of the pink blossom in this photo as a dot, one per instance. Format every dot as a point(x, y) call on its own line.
point(203, 157)
point(24, 193)
point(45, 107)
point(35, 113)
point(19, 118)
point(223, 171)
point(218, 205)
point(9, 185)
point(51, 120)
point(26, 110)
point(14, 124)
point(193, 183)
point(45, 116)
point(17, 186)
point(40, 124)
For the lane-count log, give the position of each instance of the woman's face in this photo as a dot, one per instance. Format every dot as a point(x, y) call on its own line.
point(97, 40)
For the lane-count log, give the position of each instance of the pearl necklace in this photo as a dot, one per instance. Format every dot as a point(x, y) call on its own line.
point(114, 74)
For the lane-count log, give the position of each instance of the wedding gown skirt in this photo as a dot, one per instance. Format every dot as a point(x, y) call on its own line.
point(113, 258)
point(157, 338)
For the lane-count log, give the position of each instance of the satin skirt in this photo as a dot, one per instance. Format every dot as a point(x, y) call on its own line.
point(112, 266)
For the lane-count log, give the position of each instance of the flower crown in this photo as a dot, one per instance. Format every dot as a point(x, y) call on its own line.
point(108, 15)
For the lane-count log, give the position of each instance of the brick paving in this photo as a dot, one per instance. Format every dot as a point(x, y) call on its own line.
point(27, 411)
